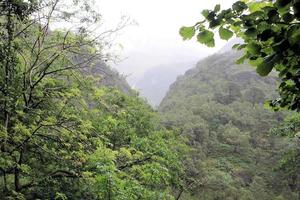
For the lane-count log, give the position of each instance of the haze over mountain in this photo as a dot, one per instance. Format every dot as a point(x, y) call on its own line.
point(155, 40)
point(155, 82)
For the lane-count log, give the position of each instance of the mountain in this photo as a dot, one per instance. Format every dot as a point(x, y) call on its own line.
point(111, 78)
point(216, 74)
point(218, 106)
point(155, 82)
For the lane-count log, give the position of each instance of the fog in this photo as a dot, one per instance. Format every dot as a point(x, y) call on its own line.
point(154, 40)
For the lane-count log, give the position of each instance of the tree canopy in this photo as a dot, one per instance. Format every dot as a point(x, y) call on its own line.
point(62, 134)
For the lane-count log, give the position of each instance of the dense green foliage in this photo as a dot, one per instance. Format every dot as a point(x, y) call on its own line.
point(219, 106)
point(270, 30)
point(63, 135)
point(290, 162)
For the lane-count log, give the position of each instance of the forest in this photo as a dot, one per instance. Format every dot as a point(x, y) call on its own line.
point(71, 127)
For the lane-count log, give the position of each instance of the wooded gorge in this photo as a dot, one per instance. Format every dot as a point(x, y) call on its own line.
point(72, 128)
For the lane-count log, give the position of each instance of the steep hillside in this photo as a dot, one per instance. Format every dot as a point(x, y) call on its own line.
point(108, 77)
point(219, 106)
point(111, 78)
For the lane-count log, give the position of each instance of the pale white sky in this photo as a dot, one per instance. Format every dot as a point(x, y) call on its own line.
point(155, 40)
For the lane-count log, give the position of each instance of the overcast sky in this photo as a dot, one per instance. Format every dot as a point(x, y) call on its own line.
point(155, 40)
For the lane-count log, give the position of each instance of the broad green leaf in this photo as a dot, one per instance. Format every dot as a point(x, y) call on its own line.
point(206, 37)
point(205, 13)
point(253, 48)
point(211, 16)
point(264, 69)
point(284, 6)
point(254, 6)
point(294, 35)
point(258, 5)
point(225, 34)
point(239, 6)
point(187, 32)
point(256, 14)
point(214, 23)
point(282, 3)
point(256, 62)
point(251, 32)
point(217, 8)
point(266, 66)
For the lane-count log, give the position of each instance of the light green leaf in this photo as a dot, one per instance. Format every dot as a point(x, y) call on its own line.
point(257, 6)
point(205, 13)
point(187, 32)
point(256, 62)
point(253, 48)
point(206, 37)
point(225, 34)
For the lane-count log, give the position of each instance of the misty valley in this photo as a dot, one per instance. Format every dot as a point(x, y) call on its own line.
point(223, 127)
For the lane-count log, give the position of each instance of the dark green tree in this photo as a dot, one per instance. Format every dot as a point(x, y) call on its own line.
point(38, 97)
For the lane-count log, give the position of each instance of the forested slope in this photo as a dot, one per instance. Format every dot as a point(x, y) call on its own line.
point(219, 106)
point(108, 76)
